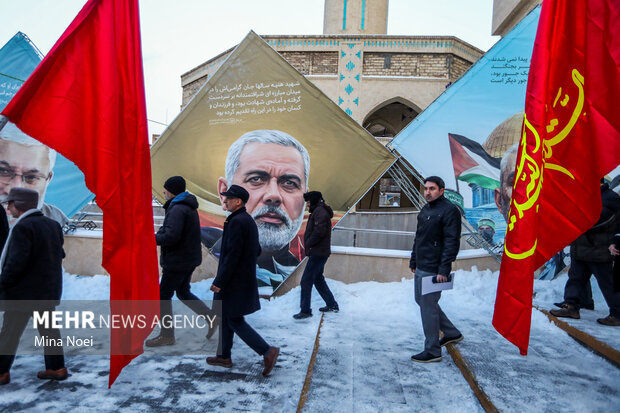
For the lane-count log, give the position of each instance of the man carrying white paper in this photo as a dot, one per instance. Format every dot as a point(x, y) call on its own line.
point(435, 247)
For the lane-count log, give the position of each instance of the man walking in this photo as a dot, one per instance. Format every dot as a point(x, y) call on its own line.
point(435, 247)
point(181, 253)
point(236, 285)
point(317, 240)
point(31, 265)
point(591, 253)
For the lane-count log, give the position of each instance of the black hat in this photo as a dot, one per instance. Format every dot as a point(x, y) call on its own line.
point(235, 191)
point(23, 198)
point(175, 185)
point(314, 197)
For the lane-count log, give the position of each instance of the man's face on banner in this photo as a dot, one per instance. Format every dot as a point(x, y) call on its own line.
point(503, 194)
point(26, 166)
point(274, 176)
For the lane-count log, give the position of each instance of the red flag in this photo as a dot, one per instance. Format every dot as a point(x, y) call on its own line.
point(86, 100)
point(571, 139)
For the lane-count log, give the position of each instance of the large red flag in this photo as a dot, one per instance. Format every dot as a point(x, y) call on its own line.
point(86, 100)
point(571, 139)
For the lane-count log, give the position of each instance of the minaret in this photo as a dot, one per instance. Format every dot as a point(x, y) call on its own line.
point(353, 17)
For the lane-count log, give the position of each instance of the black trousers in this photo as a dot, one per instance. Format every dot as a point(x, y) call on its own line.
point(12, 329)
point(179, 282)
point(579, 275)
point(237, 325)
point(313, 275)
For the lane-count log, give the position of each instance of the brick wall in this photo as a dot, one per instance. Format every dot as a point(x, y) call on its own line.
point(313, 63)
point(406, 64)
point(190, 89)
point(458, 67)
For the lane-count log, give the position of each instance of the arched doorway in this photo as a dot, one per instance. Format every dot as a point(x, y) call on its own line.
point(384, 123)
point(389, 118)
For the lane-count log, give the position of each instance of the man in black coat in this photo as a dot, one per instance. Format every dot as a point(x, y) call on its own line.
point(591, 253)
point(31, 265)
point(181, 253)
point(317, 240)
point(4, 227)
point(436, 244)
point(235, 284)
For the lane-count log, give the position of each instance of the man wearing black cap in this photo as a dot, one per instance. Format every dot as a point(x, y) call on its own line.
point(317, 240)
point(181, 253)
point(236, 285)
point(31, 265)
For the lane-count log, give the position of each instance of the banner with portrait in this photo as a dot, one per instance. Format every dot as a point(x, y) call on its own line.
point(470, 134)
point(258, 123)
point(26, 162)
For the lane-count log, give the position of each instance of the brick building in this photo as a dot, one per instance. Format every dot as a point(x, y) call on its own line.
point(381, 81)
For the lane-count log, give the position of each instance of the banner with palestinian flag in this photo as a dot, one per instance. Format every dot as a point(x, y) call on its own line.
point(472, 164)
point(466, 134)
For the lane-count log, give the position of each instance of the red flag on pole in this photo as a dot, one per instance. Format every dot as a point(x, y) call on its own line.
point(571, 139)
point(86, 100)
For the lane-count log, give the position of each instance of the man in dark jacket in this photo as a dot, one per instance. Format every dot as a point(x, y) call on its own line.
point(317, 240)
point(235, 284)
point(435, 247)
point(590, 254)
point(181, 253)
point(31, 265)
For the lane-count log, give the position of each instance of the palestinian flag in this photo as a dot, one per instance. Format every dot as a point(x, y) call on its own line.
point(472, 164)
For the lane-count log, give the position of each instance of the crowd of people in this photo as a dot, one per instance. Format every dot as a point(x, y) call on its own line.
point(32, 254)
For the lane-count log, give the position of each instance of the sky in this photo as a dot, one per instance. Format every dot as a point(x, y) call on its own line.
point(180, 35)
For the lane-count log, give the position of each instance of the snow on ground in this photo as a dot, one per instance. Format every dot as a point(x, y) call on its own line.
point(363, 363)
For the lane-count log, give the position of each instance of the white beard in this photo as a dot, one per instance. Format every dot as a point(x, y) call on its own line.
point(273, 237)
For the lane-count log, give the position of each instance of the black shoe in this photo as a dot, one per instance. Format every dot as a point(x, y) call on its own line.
point(424, 357)
point(219, 361)
point(450, 340)
point(563, 303)
point(568, 310)
point(159, 341)
point(301, 315)
point(329, 309)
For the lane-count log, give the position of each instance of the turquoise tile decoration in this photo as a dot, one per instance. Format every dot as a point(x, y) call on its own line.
point(356, 101)
point(349, 112)
point(348, 89)
point(351, 45)
point(363, 13)
point(340, 101)
point(350, 66)
point(357, 77)
point(342, 54)
point(341, 77)
point(359, 54)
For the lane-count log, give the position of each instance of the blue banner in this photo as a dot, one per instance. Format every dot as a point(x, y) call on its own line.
point(24, 161)
point(465, 133)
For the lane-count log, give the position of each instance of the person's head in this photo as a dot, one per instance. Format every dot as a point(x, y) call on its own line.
point(273, 167)
point(24, 162)
point(234, 198)
point(21, 200)
point(173, 186)
point(486, 229)
point(503, 194)
point(433, 188)
point(313, 198)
